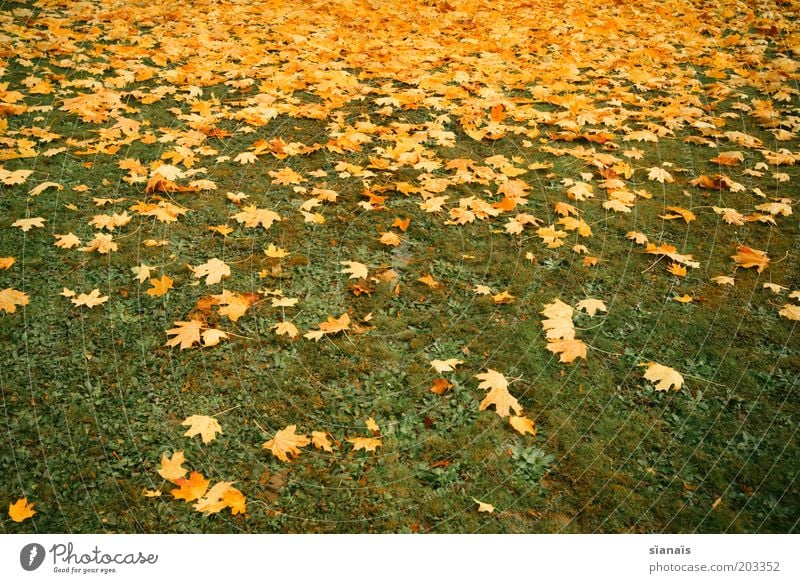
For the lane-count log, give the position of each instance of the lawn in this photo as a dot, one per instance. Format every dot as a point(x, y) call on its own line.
point(349, 217)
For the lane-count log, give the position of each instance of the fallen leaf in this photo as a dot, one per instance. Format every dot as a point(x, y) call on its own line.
point(365, 443)
point(203, 425)
point(172, 468)
point(187, 334)
point(190, 489)
point(663, 377)
point(286, 443)
point(11, 298)
point(21, 510)
point(160, 285)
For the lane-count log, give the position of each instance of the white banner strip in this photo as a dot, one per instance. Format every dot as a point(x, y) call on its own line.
point(350, 558)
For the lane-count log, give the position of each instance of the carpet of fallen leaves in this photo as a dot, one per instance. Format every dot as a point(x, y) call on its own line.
point(274, 177)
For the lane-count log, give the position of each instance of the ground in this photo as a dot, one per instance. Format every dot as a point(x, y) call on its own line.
point(580, 150)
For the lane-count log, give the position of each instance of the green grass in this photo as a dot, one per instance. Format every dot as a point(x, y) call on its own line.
point(92, 398)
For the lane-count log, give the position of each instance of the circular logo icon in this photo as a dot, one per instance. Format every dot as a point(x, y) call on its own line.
point(31, 556)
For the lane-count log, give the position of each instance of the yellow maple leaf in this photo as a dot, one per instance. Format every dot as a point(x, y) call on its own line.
point(747, 257)
point(172, 468)
point(659, 175)
point(212, 337)
point(203, 425)
point(522, 424)
point(235, 501)
point(102, 243)
point(186, 334)
point(389, 238)
point(252, 216)
point(275, 252)
point(90, 300)
point(160, 285)
point(503, 298)
point(355, 269)
point(365, 443)
point(723, 280)
point(568, 349)
point(28, 224)
point(11, 298)
point(790, 312)
point(677, 269)
point(13, 178)
point(319, 439)
point(285, 328)
point(21, 510)
point(492, 379)
point(680, 213)
point(214, 500)
point(445, 365)
point(502, 400)
point(591, 306)
point(663, 377)
point(68, 241)
point(286, 443)
point(330, 326)
point(372, 425)
point(7, 262)
point(192, 488)
point(213, 270)
point(233, 304)
point(142, 272)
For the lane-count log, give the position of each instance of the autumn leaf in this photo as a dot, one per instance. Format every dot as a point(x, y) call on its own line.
point(286, 443)
point(160, 285)
point(203, 425)
point(663, 377)
point(21, 510)
point(213, 336)
point(492, 379)
point(723, 280)
point(90, 300)
point(441, 386)
point(498, 395)
point(11, 298)
point(355, 269)
point(235, 501)
point(365, 443)
point(389, 238)
point(28, 224)
point(68, 241)
point(7, 262)
point(252, 217)
point(172, 468)
point(330, 326)
point(214, 500)
point(186, 334)
point(214, 270)
point(484, 507)
point(659, 175)
point(568, 350)
point(746, 257)
point(503, 298)
point(591, 306)
point(790, 312)
point(285, 329)
point(445, 365)
point(320, 440)
point(676, 269)
point(190, 489)
point(522, 425)
point(275, 252)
